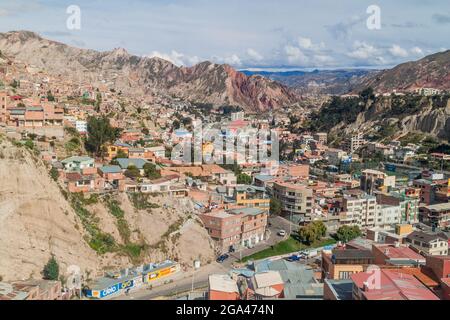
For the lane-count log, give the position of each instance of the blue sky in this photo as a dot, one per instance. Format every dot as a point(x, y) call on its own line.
point(294, 34)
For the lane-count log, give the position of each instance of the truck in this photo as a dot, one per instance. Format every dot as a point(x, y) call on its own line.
point(312, 253)
point(309, 254)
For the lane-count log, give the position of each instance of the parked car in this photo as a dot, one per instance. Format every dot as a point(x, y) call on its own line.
point(282, 233)
point(295, 257)
point(222, 258)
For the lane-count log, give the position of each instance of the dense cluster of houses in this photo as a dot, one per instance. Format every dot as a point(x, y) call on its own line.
point(233, 201)
point(417, 268)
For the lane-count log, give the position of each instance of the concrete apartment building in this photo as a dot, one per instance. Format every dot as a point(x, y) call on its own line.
point(342, 263)
point(409, 206)
point(387, 215)
point(437, 215)
point(374, 180)
point(432, 191)
point(353, 143)
point(429, 244)
point(359, 208)
point(251, 197)
point(296, 199)
point(321, 137)
point(236, 228)
point(335, 156)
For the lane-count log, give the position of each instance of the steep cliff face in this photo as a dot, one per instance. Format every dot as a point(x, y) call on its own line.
point(36, 221)
point(204, 82)
point(425, 115)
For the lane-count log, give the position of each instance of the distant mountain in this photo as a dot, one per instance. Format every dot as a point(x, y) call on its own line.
point(334, 82)
point(205, 82)
point(430, 72)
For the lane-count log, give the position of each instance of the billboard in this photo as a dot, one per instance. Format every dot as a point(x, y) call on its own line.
point(111, 290)
point(157, 274)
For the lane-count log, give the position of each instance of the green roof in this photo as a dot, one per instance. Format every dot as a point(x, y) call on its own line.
point(77, 159)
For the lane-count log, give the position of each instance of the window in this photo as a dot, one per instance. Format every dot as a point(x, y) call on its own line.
point(345, 274)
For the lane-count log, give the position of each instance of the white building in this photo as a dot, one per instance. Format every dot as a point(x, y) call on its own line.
point(335, 156)
point(81, 126)
point(158, 151)
point(237, 116)
point(361, 209)
point(388, 215)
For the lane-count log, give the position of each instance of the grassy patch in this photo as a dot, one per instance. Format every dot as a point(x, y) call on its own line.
point(98, 240)
point(132, 250)
point(287, 246)
point(140, 201)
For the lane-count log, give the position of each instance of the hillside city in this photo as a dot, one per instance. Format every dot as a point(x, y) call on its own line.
point(112, 194)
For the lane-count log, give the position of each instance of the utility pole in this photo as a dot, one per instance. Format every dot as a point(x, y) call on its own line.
point(290, 222)
point(196, 266)
point(193, 274)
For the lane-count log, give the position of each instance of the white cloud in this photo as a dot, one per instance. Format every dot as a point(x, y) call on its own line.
point(176, 58)
point(323, 60)
point(398, 51)
point(295, 55)
point(254, 55)
point(233, 60)
point(308, 44)
point(417, 51)
point(363, 51)
point(4, 12)
point(305, 43)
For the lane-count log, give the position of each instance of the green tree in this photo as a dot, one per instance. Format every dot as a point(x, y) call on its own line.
point(151, 172)
point(367, 94)
point(14, 84)
point(121, 154)
point(50, 96)
point(99, 133)
point(307, 235)
point(243, 178)
point(54, 173)
point(275, 206)
point(319, 228)
point(348, 233)
point(176, 124)
point(98, 102)
point(312, 232)
point(51, 269)
point(132, 172)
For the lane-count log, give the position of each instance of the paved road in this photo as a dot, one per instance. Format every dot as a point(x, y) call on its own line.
point(183, 282)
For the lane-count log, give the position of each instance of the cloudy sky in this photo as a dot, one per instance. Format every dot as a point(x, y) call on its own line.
point(266, 34)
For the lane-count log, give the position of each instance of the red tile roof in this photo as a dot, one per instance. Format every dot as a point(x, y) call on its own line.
point(394, 285)
point(400, 253)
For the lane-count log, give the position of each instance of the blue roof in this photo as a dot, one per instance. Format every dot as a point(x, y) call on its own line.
point(124, 163)
point(263, 177)
point(124, 145)
point(110, 169)
point(182, 132)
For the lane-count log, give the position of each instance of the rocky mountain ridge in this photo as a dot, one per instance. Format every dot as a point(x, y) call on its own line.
point(205, 82)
